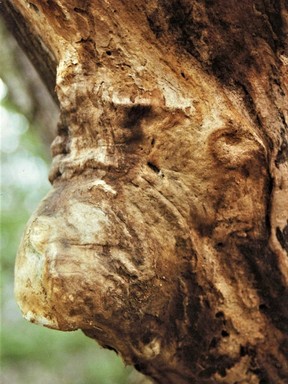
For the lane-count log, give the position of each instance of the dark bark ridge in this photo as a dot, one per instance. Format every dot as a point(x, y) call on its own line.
point(165, 234)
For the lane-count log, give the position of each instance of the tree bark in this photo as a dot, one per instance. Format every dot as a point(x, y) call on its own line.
point(165, 235)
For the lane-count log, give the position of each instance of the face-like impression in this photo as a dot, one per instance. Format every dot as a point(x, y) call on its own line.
point(103, 245)
point(160, 237)
point(113, 248)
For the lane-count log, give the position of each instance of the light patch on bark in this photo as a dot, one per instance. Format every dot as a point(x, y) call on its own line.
point(164, 234)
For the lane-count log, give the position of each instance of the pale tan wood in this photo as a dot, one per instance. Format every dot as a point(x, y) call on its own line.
point(165, 233)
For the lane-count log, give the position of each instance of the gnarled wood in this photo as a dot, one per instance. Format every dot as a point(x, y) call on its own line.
point(165, 234)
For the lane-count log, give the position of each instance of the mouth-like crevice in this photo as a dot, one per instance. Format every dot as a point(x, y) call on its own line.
point(85, 162)
point(153, 167)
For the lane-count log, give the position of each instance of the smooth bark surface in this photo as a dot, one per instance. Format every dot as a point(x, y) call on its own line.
point(165, 234)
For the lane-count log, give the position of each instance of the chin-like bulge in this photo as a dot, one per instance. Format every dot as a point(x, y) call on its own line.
point(59, 288)
point(63, 275)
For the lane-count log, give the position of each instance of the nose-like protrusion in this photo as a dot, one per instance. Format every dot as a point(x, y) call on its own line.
point(30, 270)
point(52, 275)
point(63, 270)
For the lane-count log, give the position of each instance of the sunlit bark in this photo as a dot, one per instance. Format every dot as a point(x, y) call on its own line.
point(165, 234)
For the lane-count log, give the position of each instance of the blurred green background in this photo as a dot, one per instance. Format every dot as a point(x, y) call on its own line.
point(31, 354)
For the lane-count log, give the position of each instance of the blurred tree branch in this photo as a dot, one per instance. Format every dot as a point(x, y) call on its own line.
point(26, 88)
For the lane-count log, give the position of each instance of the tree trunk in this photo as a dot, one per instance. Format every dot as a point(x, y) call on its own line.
point(165, 235)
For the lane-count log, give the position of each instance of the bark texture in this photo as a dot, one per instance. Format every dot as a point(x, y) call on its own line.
point(165, 235)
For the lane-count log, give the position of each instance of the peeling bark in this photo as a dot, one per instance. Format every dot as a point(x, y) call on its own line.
point(164, 236)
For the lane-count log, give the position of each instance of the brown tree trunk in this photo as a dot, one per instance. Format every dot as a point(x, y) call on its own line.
point(165, 234)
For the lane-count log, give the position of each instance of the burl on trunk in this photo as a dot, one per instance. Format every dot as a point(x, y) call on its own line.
point(165, 234)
